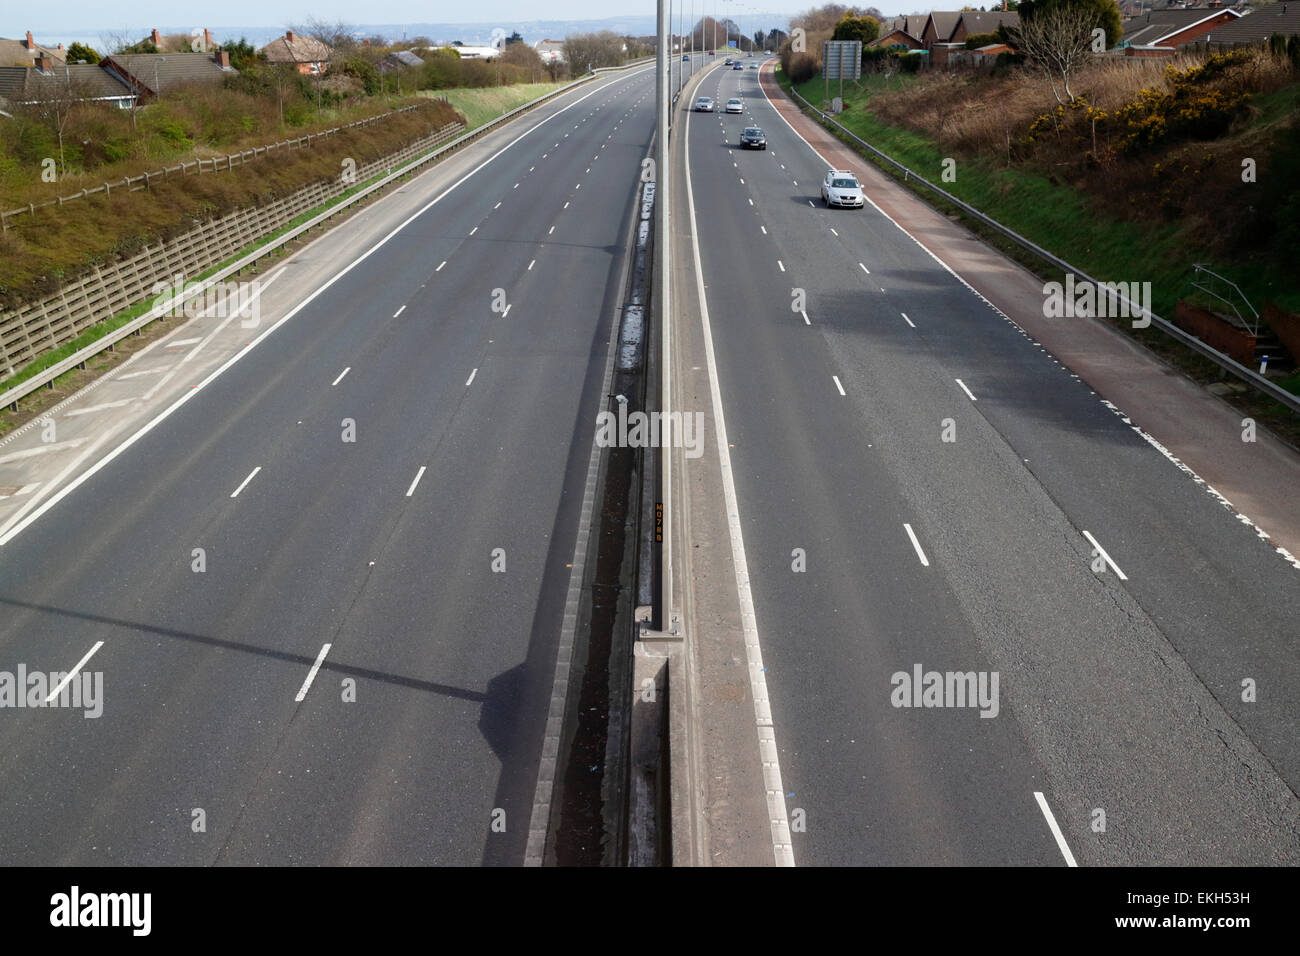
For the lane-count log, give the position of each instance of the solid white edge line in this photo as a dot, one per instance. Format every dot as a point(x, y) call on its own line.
point(73, 673)
point(165, 413)
point(1056, 830)
point(415, 481)
point(916, 544)
point(311, 674)
point(965, 389)
point(1102, 551)
point(340, 378)
point(779, 821)
point(243, 484)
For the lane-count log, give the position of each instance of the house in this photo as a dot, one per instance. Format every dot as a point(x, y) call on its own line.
point(897, 38)
point(902, 31)
point(399, 60)
point(974, 22)
point(551, 51)
point(913, 24)
point(151, 74)
point(308, 54)
point(1162, 32)
point(1255, 28)
point(24, 52)
point(937, 36)
point(48, 79)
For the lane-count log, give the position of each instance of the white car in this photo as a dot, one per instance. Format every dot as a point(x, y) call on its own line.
point(735, 105)
point(840, 188)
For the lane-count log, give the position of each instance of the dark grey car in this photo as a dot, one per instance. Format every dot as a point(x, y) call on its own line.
point(753, 138)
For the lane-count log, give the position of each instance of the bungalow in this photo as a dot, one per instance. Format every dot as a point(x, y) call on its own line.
point(48, 80)
point(897, 38)
point(1162, 32)
point(308, 54)
point(913, 25)
point(936, 38)
point(152, 74)
point(1255, 29)
point(974, 22)
point(24, 52)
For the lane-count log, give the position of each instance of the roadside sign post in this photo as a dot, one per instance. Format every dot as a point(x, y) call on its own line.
point(841, 58)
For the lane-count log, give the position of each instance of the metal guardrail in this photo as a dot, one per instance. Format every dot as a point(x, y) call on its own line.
point(1249, 376)
point(11, 397)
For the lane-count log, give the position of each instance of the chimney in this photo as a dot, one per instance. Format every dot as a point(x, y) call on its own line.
point(31, 44)
point(207, 39)
point(288, 36)
point(153, 36)
point(44, 64)
point(60, 46)
point(223, 59)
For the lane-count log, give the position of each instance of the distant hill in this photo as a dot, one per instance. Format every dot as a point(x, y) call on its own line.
point(470, 34)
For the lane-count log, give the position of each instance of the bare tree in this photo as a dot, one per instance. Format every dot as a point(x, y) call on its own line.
point(1059, 42)
point(585, 50)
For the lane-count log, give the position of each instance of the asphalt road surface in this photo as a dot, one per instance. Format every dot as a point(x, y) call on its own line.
point(220, 740)
point(963, 503)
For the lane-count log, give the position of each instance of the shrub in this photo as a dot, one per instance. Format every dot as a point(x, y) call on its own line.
point(977, 40)
point(803, 67)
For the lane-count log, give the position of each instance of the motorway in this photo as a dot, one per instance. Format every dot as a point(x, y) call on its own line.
point(963, 502)
point(351, 672)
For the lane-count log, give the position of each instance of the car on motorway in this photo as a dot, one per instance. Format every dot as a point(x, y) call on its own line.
point(704, 104)
point(753, 138)
point(753, 66)
point(840, 188)
point(728, 61)
point(738, 66)
point(735, 105)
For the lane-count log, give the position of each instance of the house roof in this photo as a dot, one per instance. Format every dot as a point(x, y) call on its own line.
point(980, 21)
point(945, 21)
point(15, 53)
point(1157, 25)
point(165, 70)
point(301, 50)
point(913, 25)
point(20, 84)
point(894, 32)
point(406, 58)
point(1257, 27)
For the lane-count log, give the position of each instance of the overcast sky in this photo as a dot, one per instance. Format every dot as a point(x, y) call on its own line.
point(80, 15)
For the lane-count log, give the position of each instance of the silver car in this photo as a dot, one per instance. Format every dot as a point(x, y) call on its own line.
point(840, 188)
point(735, 105)
point(704, 105)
